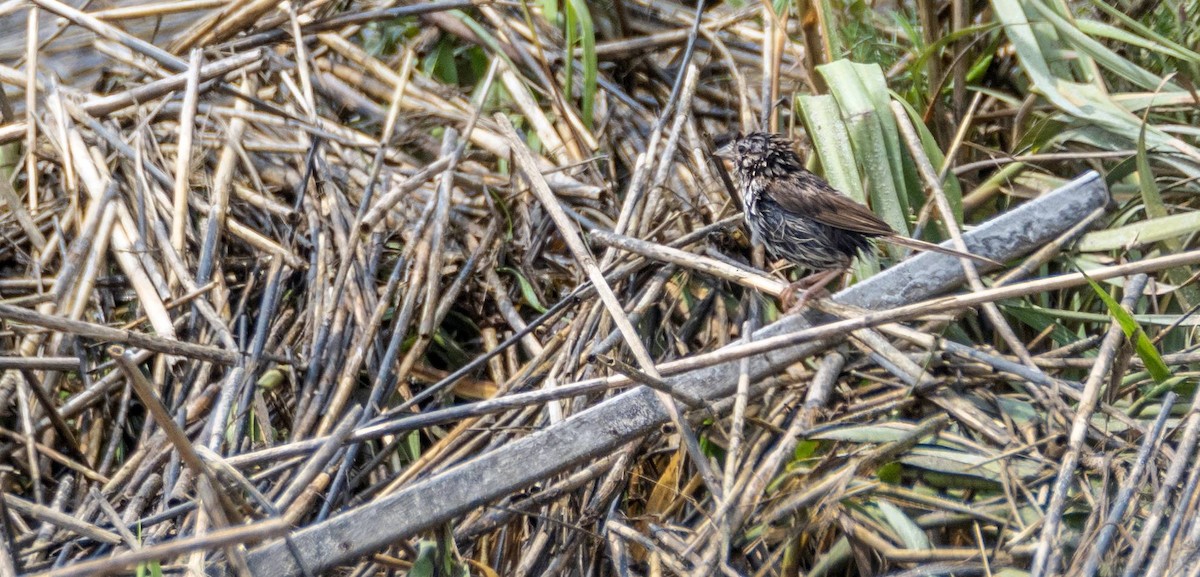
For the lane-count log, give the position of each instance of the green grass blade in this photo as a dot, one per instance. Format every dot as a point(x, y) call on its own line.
point(591, 67)
point(550, 11)
point(934, 50)
point(1104, 30)
point(1039, 320)
point(831, 141)
point(832, 34)
point(1140, 233)
point(1020, 32)
point(1150, 35)
point(875, 83)
point(1133, 331)
point(1157, 391)
point(570, 31)
point(1079, 60)
point(910, 533)
point(425, 565)
point(1151, 197)
point(1162, 320)
point(527, 291)
point(1110, 60)
point(485, 36)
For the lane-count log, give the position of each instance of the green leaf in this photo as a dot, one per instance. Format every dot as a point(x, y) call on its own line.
point(1021, 412)
point(1145, 399)
point(149, 569)
point(935, 49)
point(881, 433)
point(836, 46)
point(831, 141)
point(1151, 197)
point(485, 36)
point(527, 291)
point(1039, 321)
point(570, 31)
point(1111, 61)
point(440, 63)
point(1160, 43)
point(805, 449)
point(890, 473)
point(550, 11)
point(577, 12)
point(270, 379)
point(711, 449)
point(909, 532)
point(1133, 331)
point(426, 562)
point(1140, 233)
point(955, 463)
point(10, 155)
point(1102, 118)
point(1025, 42)
point(862, 95)
point(833, 561)
point(1142, 319)
point(413, 442)
point(381, 38)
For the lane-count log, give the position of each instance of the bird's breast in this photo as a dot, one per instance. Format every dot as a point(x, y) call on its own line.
point(750, 198)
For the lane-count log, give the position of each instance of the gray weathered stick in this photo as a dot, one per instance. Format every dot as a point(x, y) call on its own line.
point(126, 337)
point(1049, 548)
point(609, 425)
point(1017, 232)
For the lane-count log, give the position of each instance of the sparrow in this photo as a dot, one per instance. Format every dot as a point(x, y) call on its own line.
point(800, 218)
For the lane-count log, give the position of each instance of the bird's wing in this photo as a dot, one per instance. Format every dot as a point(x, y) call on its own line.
point(807, 195)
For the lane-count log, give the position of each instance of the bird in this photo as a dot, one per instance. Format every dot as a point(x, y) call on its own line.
point(801, 218)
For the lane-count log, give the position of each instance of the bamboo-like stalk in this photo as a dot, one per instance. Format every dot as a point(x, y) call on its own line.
point(183, 159)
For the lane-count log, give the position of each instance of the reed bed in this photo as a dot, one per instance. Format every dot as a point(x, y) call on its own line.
point(456, 287)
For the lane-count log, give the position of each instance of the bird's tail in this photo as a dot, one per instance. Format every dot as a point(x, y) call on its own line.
point(930, 247)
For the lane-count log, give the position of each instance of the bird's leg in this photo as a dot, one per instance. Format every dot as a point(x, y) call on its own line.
point(812, 285)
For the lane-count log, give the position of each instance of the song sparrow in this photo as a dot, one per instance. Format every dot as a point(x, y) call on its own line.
point(799, 217)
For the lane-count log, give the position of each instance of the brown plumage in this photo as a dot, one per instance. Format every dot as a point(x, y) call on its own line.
point(799, 217)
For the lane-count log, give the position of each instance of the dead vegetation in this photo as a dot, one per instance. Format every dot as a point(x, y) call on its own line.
point(374, 289)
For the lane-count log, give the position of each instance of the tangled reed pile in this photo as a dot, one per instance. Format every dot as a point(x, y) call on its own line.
point(255, 256)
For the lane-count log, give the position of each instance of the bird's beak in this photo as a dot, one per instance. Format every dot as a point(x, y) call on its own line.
point(725, 152)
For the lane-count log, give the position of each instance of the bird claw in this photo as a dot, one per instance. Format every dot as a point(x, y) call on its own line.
point(813, 286)
point(797, 295)
point(808, 282)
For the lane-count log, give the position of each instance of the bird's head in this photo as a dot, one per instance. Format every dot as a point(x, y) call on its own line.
point(760, 153)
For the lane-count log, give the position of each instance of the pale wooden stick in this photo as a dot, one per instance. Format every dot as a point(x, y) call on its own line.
point(183, 156)
point(31, 156)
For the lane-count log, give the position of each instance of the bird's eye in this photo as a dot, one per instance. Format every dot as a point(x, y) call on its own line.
point(742, 148)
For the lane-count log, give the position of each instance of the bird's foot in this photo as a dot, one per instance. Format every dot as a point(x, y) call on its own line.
point(813, 286)
point(796, 297)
